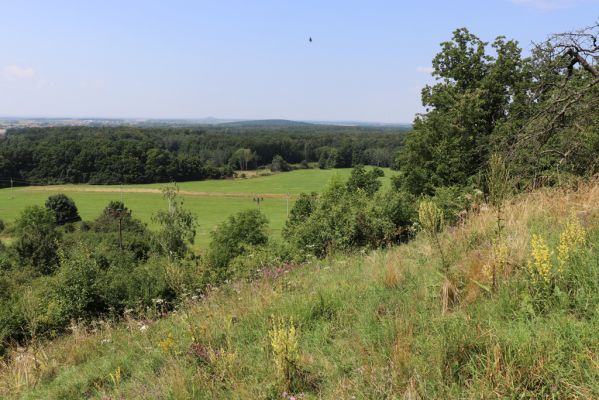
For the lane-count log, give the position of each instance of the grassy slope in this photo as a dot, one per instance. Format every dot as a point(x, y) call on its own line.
point(211, 211)
point(369, 326)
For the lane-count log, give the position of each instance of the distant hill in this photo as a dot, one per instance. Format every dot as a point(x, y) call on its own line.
point(265, 123)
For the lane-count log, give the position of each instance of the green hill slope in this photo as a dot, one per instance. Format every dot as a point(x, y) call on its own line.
point(364, 326)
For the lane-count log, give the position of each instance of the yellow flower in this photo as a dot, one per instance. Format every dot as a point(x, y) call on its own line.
point(572, 238)
point(540, 263)
point(284, 342)
point(166, 345)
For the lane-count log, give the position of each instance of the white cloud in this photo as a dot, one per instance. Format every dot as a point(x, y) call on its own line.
point(546, 5)
point(425, 70)
point(15, 72)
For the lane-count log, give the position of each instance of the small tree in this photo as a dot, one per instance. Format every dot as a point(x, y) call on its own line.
point(178, 225)
point(37, 238)
point(64, 209)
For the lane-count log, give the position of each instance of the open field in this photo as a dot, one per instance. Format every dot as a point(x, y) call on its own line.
point(212, 201)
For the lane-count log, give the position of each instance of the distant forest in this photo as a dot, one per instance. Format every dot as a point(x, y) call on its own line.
point(113, 155)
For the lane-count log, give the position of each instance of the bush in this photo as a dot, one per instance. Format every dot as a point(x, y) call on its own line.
point(368, 181)
point(78, 286)
point(2, 226)
point(342, 219)
point(232, 238)
point(36, 239)
point(64, 209)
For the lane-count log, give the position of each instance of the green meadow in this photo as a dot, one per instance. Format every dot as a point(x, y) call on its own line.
point(218, 198)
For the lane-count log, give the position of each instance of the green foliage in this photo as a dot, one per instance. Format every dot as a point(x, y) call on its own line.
point(232, 238)
point(453, 201)
point(279, 164)
point(302, 209)
point(345, 217)
point(328, 157)
point(78, 283)
point(64, 209)
point(178, 225)
point(361, 179)
point(37, 239)
point(451, 142)
point(261, 258)
point(432, 222)
point(115, 155)
point(116, 213)
point(242, 159)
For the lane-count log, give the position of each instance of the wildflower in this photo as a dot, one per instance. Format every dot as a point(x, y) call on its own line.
point(284, 342)
point(167, 344)
point(573, 237)
point(540, 263)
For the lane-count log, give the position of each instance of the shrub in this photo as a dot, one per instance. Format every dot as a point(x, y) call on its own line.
point(78, 285)
point(177, 225)
point(64, 209)
point(2, 226)
point(36, 239)
point(232, 238)
point(301, 210)
point(345, 217)
point(367, 181)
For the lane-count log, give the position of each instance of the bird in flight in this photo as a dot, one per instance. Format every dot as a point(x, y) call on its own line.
point(310, 39)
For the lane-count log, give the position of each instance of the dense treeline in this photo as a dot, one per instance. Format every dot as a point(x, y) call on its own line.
point(106, 155)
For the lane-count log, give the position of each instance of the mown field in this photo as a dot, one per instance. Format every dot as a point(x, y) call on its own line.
point(212, 201)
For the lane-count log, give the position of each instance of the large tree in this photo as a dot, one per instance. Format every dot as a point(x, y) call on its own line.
point(474, 92)
point(558, 119)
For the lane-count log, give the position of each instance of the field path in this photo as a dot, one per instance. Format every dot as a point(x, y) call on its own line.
point(59, 188)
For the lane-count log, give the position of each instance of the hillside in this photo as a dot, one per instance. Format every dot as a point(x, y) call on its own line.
point(366, 326)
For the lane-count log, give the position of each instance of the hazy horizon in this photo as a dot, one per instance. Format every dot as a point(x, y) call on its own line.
point(236, 60)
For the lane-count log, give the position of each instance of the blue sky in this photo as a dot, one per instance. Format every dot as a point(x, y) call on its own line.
point(246, 59)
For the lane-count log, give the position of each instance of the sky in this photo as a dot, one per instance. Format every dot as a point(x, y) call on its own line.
point(246, 59)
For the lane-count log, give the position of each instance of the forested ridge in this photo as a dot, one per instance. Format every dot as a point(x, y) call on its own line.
point(105, 155)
